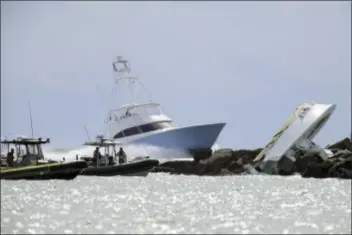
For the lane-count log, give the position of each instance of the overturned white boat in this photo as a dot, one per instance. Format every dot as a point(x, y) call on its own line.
point(295, 138)
point(146, 123)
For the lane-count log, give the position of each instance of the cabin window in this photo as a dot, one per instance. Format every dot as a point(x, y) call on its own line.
point(148, 127)
point(108, 150)
point(32, 149)
point(119, 135)
point(144, 128)
point(3, 148)
point(21, 150)
point(156, 126)
point(131, 131)
point(167, 124)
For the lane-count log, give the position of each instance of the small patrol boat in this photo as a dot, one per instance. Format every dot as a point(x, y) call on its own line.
point(108, 164)
point(31, 165)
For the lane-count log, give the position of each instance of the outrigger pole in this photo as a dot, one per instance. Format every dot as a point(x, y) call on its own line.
point(30, 117)
point(85, 128)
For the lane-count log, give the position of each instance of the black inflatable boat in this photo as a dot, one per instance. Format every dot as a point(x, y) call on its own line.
point(138, 168)
point(64, 171)
point(108, 165)
point(27, 164)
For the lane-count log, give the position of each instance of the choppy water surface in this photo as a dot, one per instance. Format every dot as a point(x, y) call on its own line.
point(163, 203)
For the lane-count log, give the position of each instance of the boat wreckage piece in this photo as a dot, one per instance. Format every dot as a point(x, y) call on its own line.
point(294, 139)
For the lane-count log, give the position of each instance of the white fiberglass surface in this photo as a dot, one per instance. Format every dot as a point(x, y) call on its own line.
point(296, 128)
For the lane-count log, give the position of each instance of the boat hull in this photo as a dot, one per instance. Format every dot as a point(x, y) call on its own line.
point(138, 168)
point(192, 138)
point(62, 171)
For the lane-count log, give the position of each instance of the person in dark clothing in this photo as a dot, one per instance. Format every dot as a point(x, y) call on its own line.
point(10, 157)
point(111, 160)
point(122, 156)
point(96, 155)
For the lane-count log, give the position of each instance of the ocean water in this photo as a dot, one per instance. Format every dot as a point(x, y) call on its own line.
point(132, 151)
point(162, 203)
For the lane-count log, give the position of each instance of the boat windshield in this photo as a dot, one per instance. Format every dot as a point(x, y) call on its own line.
point(150, 110)
point(145, 128)
point(32, 149)
point(109, 151)
point(21, 150)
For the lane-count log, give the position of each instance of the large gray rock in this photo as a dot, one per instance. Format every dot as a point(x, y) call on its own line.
point(228, 161)
point(223, 159)
point(344, 144)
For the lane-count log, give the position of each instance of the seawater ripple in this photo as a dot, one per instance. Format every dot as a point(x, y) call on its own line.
point(162, 203)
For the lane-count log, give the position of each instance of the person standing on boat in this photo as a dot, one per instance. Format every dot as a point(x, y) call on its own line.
point(122, 156)
point(96, 155)
point(10, 157)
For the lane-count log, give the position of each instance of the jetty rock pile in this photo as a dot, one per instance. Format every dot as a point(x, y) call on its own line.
point(235, 162)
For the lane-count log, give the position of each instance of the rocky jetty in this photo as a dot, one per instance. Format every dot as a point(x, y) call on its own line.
point(234, 162)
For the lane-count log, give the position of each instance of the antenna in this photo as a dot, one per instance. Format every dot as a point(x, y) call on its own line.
point(87, 133)
point(30, 117)
point(122, 69)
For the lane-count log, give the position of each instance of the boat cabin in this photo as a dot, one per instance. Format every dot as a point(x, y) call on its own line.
point(26, 151)
point(109, 156)
point(129, 120)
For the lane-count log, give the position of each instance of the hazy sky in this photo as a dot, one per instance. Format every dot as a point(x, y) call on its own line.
point(246, 63)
